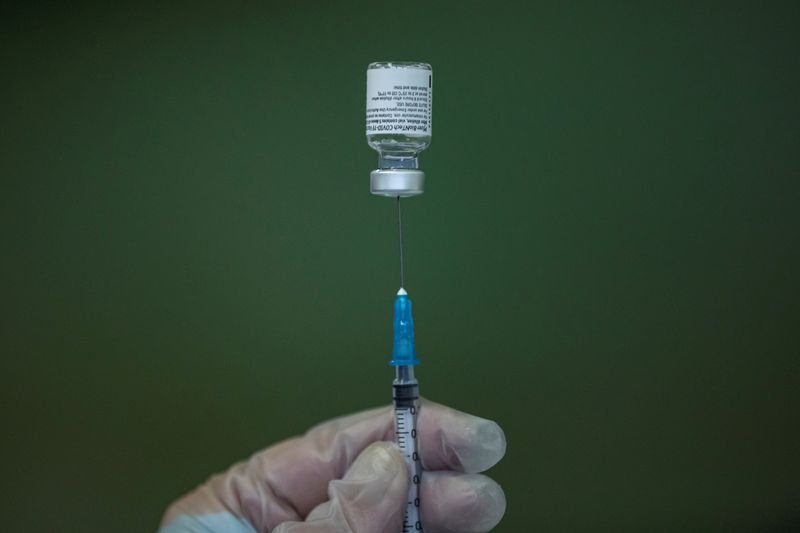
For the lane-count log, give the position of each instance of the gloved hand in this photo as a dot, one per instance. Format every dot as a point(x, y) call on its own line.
point(342, 476)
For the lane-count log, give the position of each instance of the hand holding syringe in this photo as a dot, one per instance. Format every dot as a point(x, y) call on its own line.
point(343, 476)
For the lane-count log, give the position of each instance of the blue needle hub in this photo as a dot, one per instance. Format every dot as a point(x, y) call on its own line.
point(403, 350)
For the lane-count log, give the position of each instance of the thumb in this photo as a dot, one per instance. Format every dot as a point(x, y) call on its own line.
point(369, 499)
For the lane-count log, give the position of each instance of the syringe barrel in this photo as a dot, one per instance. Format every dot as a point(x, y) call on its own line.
point(406, 407)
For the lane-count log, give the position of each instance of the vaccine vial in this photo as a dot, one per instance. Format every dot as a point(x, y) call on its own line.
point(399, 124)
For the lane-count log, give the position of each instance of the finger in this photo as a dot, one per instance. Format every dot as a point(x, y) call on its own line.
point(369, 499)
point(452, 440)
point(460, 503)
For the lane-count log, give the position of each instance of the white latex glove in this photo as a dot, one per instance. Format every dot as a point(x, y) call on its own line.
point(343, 476)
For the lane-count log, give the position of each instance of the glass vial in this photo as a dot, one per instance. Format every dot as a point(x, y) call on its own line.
point(399, 123)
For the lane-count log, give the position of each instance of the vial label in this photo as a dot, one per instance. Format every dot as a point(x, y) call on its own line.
point(399, 101)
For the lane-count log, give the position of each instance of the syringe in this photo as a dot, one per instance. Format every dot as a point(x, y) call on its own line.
point(406, 404)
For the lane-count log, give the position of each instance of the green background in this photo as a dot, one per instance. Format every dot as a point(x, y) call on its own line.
point(605, 260)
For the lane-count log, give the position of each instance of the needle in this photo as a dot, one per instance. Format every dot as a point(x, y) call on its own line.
point(400, 235)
